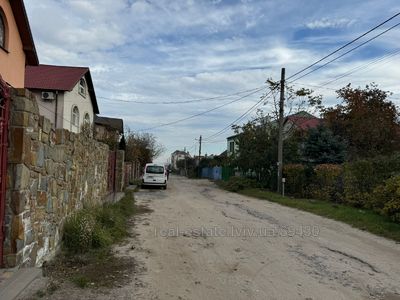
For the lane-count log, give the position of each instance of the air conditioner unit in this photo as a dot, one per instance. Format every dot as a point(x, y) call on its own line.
point(47, 96)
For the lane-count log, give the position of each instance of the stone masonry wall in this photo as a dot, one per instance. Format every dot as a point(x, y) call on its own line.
point(51, 173)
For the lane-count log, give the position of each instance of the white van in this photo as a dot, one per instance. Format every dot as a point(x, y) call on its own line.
point(155, 175)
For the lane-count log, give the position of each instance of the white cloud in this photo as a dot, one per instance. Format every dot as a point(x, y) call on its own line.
point(177, 50)
point(329, 23)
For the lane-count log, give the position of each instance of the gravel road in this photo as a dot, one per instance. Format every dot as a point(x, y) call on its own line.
point(204, 243)
point(201, 242)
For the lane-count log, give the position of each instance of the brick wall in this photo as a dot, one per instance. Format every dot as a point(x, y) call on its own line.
point(51, 173)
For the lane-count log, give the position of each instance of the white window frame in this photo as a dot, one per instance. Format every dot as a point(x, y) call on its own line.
point(86, 118)
point(82, 87)
point(75, 117)
point(232, 146)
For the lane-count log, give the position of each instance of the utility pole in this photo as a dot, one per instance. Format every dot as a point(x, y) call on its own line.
point(185, 162)
point(280, 137)
point(199, 157)
point(199, 148)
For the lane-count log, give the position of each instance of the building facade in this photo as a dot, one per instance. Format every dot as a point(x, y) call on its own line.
point(65, 95)
point(17, 48)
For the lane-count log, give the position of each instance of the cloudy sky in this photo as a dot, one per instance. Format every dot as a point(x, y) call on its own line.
point(172, 51)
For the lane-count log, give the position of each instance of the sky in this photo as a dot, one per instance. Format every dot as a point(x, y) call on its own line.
point(171, 51)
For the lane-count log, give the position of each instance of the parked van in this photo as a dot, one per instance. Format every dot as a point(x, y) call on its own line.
point(155, 175)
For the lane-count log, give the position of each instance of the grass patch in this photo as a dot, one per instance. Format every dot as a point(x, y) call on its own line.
point(87, 258)
point(100, 227)
point(80, 281)
point(359, 218)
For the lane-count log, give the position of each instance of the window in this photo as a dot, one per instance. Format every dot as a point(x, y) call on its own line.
point(231, 147)
point(86, 119)
point(82, 87)
point(155, 170)
point(2, 31)
point(75, 116)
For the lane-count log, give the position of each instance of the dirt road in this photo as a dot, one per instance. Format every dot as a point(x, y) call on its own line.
point(204, 243)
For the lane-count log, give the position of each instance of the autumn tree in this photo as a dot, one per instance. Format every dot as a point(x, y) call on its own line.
point(142, 147)
point(366, 119)
point(257, 140)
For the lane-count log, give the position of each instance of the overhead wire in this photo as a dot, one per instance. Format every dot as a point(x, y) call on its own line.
point(344, 46)
point(345, 53)
point(319, 67)
point(248, 111)
point(204, 112)
point(222, 97)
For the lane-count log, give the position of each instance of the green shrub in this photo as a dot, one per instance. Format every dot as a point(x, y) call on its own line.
point(80, 281)
point(386, 198)
point(362, 176)
point(93, 228)
point(235, 184)
point(102, 237)
point(296, 179)
point(359, 180)
point(327, 182)
point(78, 231)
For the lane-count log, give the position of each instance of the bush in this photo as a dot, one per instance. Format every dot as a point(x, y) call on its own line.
point(327, 182)
point(78, 231)
point(362, 176)
point(93, 228)
point(236, 184)
point(296, 179)
point(102, 238)
point(386, 198)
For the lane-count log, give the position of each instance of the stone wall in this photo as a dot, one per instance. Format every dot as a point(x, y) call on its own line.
point(51, 173)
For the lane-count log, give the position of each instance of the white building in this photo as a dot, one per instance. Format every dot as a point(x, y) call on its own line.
point(177, 156)
point(65, 95)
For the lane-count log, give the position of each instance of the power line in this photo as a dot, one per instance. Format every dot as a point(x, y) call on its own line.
point(344, 46)
point(180, 101)
point(365, 66)
point(347, 52)
point(253, 107)
point(361, 67)
point(315, 63)
point(202, 113)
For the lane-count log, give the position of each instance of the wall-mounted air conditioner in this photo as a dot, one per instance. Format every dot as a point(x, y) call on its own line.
point(48, 96)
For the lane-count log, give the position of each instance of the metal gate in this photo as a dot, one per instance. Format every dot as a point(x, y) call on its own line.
point(4, 116)
point(112, 158)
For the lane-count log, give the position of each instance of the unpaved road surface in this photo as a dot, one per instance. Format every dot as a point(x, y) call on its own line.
point(201, 242)
point(204, 243)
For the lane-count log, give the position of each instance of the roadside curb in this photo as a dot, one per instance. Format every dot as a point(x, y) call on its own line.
point(11, 287)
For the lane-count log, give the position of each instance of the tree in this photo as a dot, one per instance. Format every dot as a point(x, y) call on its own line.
point(367, 120)
point(258, 148)
point(258, 139)
point(142, 147)
point(321, 146)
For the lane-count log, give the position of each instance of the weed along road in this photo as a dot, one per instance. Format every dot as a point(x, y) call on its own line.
point(201, 242)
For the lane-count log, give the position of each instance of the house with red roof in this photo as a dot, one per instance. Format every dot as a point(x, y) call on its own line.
point(65, 95)
point(300, 122)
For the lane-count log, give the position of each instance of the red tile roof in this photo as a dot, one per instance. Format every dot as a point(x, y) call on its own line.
point(59, 78)
point(304, 123)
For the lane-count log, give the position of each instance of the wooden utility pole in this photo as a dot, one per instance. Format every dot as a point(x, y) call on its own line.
point(199, 148)
point(199, 156)
point(185, 162)
point(280, 137)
